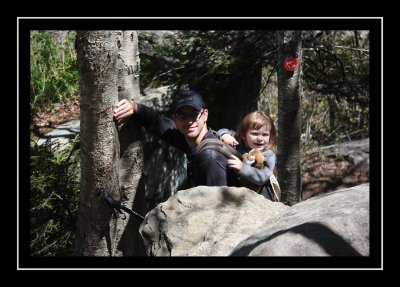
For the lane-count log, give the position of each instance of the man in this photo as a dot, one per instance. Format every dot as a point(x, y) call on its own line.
point(185, 130)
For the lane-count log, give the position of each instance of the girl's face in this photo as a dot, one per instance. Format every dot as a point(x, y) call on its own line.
point(257, 139)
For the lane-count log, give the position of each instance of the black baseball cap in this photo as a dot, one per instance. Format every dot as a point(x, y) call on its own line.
point(188, 98)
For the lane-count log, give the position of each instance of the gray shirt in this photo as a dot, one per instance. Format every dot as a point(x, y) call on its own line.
point(254, 174)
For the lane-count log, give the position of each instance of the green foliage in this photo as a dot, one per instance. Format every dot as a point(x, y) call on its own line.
point(55, 186)
point(203, 60)
point(336, 87)
point(336, 66)
point(54, 74)
point(335, 74)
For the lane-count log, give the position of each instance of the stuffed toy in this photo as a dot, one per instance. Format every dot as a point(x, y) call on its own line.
point(254, 158)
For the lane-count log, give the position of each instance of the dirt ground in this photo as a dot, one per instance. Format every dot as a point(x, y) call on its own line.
point(324, 174)
point(320, 175)
point(44, 122)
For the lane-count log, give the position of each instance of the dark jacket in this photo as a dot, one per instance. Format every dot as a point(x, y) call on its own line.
point(209, 168)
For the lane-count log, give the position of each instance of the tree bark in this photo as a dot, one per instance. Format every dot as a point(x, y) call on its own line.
point(99, 233)
point(289, 118)
point(130, 168)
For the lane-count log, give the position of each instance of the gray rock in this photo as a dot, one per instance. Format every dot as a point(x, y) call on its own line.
point(61, 135)
point(334, 224)
point(205, 221)
point(222, 221)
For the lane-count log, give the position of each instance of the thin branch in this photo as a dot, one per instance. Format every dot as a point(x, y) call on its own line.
point(349, 48)
point(167, 72)
point(340, 47)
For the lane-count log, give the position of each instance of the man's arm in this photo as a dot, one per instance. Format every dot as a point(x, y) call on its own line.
point(160, 126)
point(152, 120)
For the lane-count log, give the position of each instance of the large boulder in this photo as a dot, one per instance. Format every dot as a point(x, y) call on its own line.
point(334, 224)
point(222, 221)
point(208, 221)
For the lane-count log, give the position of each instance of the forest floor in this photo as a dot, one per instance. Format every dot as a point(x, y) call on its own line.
point(321, 174)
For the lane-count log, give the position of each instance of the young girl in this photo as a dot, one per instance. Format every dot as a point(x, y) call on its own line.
point(256, 131)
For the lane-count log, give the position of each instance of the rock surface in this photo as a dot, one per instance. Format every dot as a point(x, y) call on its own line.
point(222, 221)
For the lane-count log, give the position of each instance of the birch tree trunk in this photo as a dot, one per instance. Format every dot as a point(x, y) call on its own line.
point(104, 73)
point(289, 117)
point(130, 167)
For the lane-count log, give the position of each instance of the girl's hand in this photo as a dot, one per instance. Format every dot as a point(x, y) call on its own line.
point(230, 140)
point(235, 163)
point(124, 110)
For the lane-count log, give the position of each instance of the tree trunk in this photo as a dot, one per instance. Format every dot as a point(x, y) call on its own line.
point(102, 84)
point(130, 168)
point(289, 118)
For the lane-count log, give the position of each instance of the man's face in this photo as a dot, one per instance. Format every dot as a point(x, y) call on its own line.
point(189, 121)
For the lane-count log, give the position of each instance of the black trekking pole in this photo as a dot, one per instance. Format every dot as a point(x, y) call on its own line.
point(114, 204)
